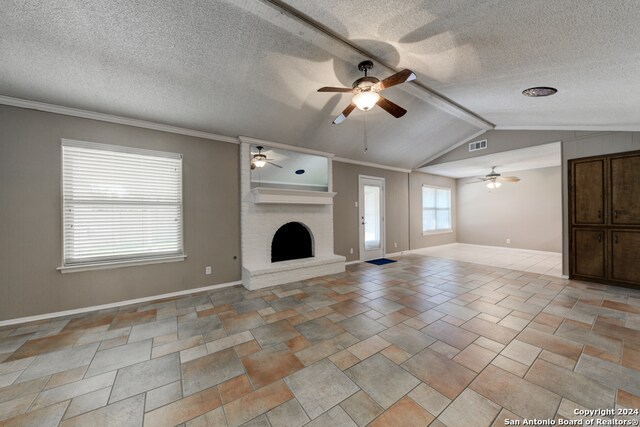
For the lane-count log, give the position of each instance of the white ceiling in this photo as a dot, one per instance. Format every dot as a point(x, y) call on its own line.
point(245, 67)
point(536, 157)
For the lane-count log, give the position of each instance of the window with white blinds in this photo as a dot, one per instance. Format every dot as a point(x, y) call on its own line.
point(436, 209)
point(120, 204)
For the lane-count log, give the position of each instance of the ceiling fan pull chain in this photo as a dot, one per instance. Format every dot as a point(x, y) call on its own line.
point(366, 147)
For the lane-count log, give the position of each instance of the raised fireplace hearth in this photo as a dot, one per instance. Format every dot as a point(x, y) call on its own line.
point(287, 234)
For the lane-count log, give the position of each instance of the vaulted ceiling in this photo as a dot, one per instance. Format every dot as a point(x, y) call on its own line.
point(252, 67)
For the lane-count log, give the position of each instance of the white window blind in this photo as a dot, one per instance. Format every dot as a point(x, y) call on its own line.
point(436, 209)
point(120, 204)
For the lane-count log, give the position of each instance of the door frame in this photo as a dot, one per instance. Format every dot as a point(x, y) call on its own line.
point(383, 226)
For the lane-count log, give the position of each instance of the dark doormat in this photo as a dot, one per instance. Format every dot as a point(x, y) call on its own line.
point(381, 261)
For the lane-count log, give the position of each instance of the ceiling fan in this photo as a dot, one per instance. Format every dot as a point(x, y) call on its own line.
point(259, 160)
point(495, 180)
point(366, 92)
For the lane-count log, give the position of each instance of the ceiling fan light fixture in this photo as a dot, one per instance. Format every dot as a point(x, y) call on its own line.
point(492, 185)
point(259, 160)
point(539, 91)
point(366, 100)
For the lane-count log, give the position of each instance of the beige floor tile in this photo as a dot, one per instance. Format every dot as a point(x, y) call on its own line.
point(361, 408)
point(256, 403)
point(444, 375)
point(405, 412)
point(184, 409)
point(572, 385)
point(470, 410)
point(521, 352)
point(515, 394)
point(475, 357)
point(368, 347)
point(429, 398)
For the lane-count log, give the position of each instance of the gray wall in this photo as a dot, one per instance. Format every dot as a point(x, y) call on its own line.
point(403, 205)
point(528, 212)
point(30, 216)
point(418, 240)
point(586, 146)
point(345, 213)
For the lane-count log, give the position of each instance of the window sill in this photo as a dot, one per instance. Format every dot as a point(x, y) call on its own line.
point(430, 233)
point(118, 264)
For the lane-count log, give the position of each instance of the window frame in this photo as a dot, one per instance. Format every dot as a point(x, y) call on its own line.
point(435, 209)
point(132, 260)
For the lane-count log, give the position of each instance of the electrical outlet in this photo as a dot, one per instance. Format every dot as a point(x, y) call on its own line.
point(207, 270)
point(395, 244)
point(356, 203)
point(508, 241)
point(351, 251)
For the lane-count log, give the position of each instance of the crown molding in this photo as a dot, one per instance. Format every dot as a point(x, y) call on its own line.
point(582, 128)
point(85, 114)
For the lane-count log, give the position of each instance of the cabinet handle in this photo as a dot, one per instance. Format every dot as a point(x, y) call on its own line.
point(599, 238)
point(615, 214)
point(615, 238)
point(599, 214)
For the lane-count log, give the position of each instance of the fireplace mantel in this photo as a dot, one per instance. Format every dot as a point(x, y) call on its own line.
point(289, 196)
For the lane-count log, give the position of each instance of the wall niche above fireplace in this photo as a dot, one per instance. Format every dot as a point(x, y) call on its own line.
point(286, 169)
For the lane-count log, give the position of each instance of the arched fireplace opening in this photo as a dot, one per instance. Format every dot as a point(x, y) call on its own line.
point(292, 241)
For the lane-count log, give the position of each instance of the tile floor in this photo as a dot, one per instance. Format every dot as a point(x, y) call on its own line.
point(548, 263)
point(424, 341)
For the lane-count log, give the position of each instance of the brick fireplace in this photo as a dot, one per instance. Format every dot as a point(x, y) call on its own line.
point(264, 211)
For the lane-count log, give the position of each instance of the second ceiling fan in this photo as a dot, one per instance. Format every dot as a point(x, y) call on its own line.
point(495, 179)
point(366, 92)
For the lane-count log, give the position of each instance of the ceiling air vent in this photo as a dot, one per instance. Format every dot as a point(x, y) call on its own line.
point(478, 145)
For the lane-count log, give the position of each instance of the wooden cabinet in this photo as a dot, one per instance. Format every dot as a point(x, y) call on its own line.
point(589, 261)
point(604, 219)
point(588, 181)
point(625, 255)
point(625, 190)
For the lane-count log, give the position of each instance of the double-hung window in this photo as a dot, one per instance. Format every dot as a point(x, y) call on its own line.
point(120, 205)
point(436, 209)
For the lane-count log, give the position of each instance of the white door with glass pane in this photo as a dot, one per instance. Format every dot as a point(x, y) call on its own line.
point(371, 210)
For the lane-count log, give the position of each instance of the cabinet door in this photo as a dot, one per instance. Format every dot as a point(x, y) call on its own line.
point(625, 256)
point(625, 190)
point(588, 191)
point(589, 253)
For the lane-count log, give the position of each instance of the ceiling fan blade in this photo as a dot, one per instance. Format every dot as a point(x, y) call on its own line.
point(391, 108)
point(399, 77)
point(508, 179)
point(335, 89)
point(344, 114)
point(475, 182)
point(273, 164)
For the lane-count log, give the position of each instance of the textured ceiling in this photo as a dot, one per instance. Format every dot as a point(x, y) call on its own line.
point(246, 68)
point(483, 53)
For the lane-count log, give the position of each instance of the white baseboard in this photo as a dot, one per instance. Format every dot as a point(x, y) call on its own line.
point(114, 304)
point(506, 248)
